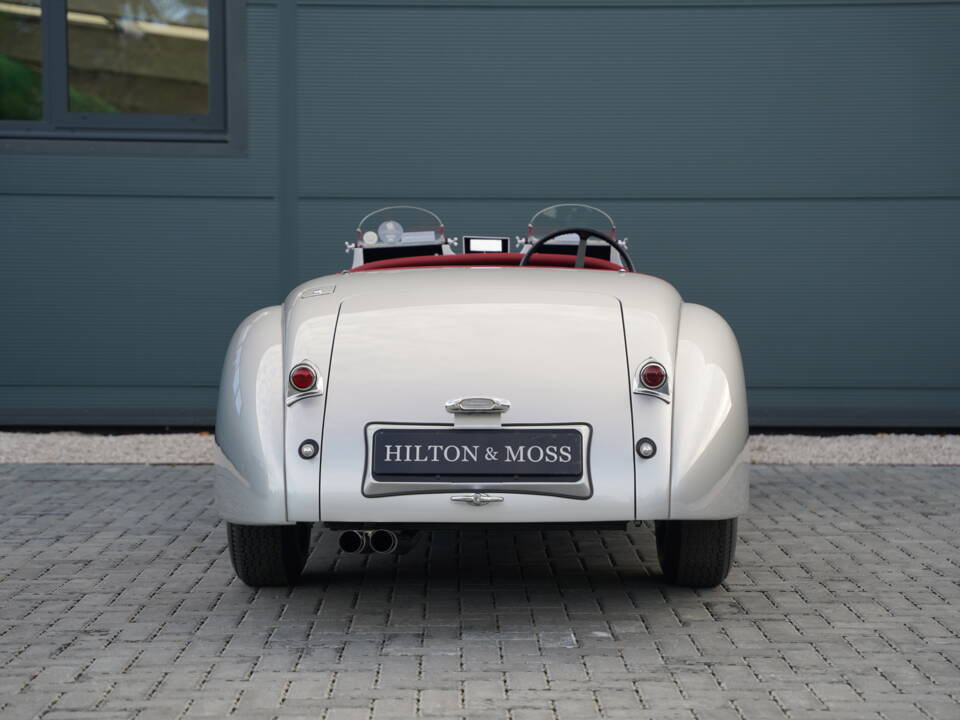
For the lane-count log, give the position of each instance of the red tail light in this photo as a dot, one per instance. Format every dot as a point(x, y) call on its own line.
point(653, 375)
point(303, 377)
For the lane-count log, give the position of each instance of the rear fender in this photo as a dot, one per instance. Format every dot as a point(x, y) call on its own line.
point(709, 474)
point(249, 484)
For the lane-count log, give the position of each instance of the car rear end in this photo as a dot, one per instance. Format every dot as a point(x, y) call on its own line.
point(473, 397)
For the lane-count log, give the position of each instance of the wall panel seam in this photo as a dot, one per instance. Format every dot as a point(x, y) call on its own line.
point(287, 158)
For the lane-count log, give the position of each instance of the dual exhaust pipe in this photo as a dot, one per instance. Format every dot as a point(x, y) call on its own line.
point(378, 541)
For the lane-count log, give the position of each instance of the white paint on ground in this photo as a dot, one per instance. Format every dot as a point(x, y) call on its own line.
point(80, 447)
point(197, 448)
point(874, 449)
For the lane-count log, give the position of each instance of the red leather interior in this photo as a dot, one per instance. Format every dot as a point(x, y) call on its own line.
point(492, 259)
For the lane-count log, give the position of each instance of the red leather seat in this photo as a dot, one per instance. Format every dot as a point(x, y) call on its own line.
point(485, 259)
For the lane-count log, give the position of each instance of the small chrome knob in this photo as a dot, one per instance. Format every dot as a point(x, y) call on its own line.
point(646, 448)
point(309, 449)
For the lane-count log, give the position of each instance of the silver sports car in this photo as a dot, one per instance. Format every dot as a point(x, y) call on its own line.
point(451, 382)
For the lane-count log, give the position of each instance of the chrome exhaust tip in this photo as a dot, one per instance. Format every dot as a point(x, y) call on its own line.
point(354, 541)
point(384, 541)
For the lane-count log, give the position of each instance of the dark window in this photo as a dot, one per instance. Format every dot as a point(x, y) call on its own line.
point(21, 60)
point(112, 68)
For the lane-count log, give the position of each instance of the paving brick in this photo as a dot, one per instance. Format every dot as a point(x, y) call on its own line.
point(117, 600)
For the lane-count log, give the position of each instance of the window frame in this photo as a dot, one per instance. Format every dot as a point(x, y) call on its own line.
point(226, 28)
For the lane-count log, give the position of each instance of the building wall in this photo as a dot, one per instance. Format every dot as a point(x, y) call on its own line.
point(794, 165)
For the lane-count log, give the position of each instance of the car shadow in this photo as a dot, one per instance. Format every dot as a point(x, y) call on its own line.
point(494, 560)
point(453, 589)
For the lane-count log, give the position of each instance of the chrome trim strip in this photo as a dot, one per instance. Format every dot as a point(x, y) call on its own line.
point(477, 499)
point(652, 393)
point(293, 399)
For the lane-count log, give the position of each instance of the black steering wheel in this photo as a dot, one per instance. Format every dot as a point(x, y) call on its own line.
point(584, 234)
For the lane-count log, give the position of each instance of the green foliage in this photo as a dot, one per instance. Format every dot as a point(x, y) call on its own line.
point(81, 102)
point(21, 92)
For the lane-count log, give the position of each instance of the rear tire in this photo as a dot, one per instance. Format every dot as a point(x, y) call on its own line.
point(696, 553)
point(267, 555)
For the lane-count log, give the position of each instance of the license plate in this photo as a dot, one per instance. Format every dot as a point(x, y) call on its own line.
point(418, 455)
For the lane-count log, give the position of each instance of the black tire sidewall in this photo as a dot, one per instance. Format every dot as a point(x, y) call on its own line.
point(268, 555)
point(696, 553)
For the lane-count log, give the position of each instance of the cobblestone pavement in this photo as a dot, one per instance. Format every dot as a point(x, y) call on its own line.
point(117, 600)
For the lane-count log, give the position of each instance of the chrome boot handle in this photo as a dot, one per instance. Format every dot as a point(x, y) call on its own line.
point(477, 405)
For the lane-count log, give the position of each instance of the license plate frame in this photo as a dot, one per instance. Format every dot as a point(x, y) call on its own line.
point(376, 483)
point(477, 455)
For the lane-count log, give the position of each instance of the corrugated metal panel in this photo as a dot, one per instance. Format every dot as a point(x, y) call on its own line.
point(125, 293)
point(107, 406)
point(608, 102)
